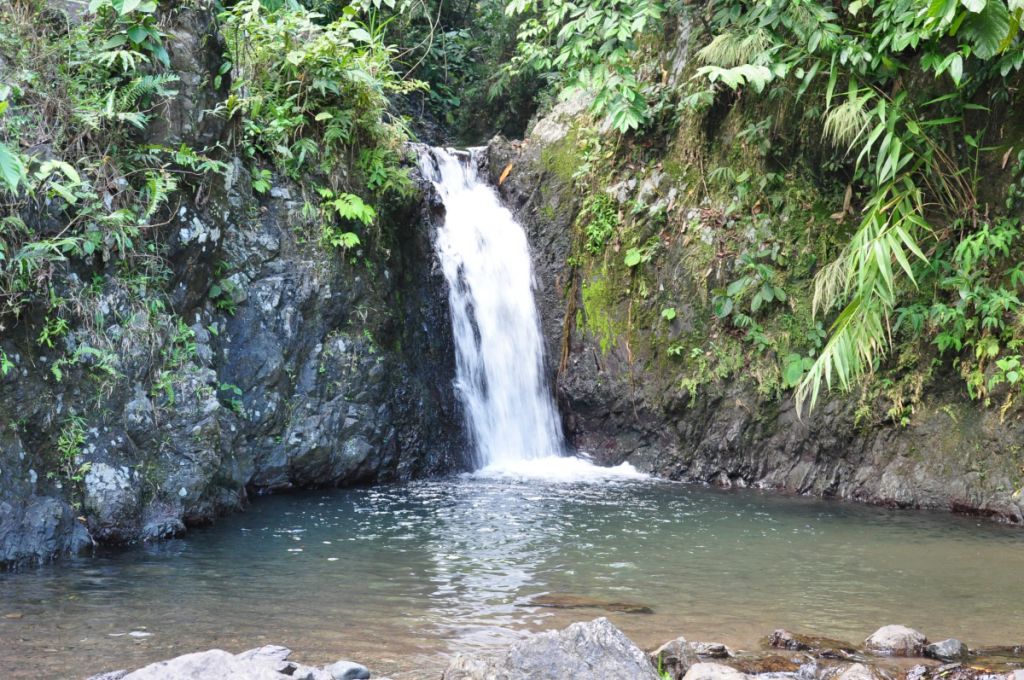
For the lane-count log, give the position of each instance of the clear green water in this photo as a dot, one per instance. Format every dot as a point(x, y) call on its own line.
point(398, 577)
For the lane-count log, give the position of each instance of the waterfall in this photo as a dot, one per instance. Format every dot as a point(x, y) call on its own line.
point(499, 348)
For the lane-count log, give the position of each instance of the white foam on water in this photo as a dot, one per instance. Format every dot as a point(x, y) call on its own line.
point(558, 469)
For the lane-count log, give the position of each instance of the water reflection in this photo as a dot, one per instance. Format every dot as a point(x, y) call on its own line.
point(400, 576)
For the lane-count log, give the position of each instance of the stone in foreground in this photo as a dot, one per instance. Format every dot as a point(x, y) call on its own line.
point(713, 671)
point(270, 662)
point(857, 671)
point(946, 650)
point(347, 670)
point(896, 641)
point(215, 664)
point(674, 658)
point(595, 650)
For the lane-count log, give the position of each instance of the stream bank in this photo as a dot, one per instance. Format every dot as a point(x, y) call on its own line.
point(597, 650)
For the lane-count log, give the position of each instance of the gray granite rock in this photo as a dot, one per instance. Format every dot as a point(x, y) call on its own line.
point(946, 650)
point(674, 658)
point(215, 664)
point(896, 640)
point(348, 670)
point(595, 650)
point(713, 671)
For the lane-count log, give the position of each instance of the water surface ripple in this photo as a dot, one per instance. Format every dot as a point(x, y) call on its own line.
point(397, 577)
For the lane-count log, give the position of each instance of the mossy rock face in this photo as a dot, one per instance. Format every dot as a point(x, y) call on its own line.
point(690, 395)
point(307, 367)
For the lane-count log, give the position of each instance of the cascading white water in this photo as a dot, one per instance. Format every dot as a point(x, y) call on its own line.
point(499, 348)
point(499, 351)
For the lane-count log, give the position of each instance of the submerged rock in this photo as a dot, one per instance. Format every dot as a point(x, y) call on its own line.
point(566, 601)
point(772, 663)
point(895, 640)
point(822, 647)
point(595, 650)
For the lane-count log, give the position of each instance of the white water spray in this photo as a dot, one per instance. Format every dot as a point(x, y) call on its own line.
point(498, 343)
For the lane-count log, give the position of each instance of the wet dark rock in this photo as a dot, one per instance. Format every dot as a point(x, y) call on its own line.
point(896, 640)
point(772, 663)
point(567, 601)
point(321, 372)
point(818, 646)
point(946, 650)
point(38, 528)
point(674, 658)
point(711, 650)
point(595, 650)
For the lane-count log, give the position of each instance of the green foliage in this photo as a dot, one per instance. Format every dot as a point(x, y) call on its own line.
point(589, 47)
point(909, 162)
point(178, 352)
point(95, 84)
point(69, 446)
point(133, 31)
point(310, 93)
point(348, 208)
point(758, 283)
point(977, 314)
point(600, 216)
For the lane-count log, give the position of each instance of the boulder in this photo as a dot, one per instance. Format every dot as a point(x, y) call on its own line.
point(946, 650)
point(713, 671)
point(896, 640)
point(595, 650)
point(272, 656)
point(347, 670)
point(673, 658)
point(215, 664)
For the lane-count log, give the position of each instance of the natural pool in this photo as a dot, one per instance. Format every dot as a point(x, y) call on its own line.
point(397, 577)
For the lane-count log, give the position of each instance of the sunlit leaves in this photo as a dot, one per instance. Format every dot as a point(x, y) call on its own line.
point(12, 169)
point(589, 47)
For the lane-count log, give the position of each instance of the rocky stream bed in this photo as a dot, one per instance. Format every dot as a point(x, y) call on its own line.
point(597, 650)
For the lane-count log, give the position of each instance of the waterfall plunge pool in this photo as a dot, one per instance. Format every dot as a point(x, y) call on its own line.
point(399, 577)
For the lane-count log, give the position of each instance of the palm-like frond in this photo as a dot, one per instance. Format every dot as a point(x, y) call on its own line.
point(732, 49)
point(887, 234)
point(847, 122)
